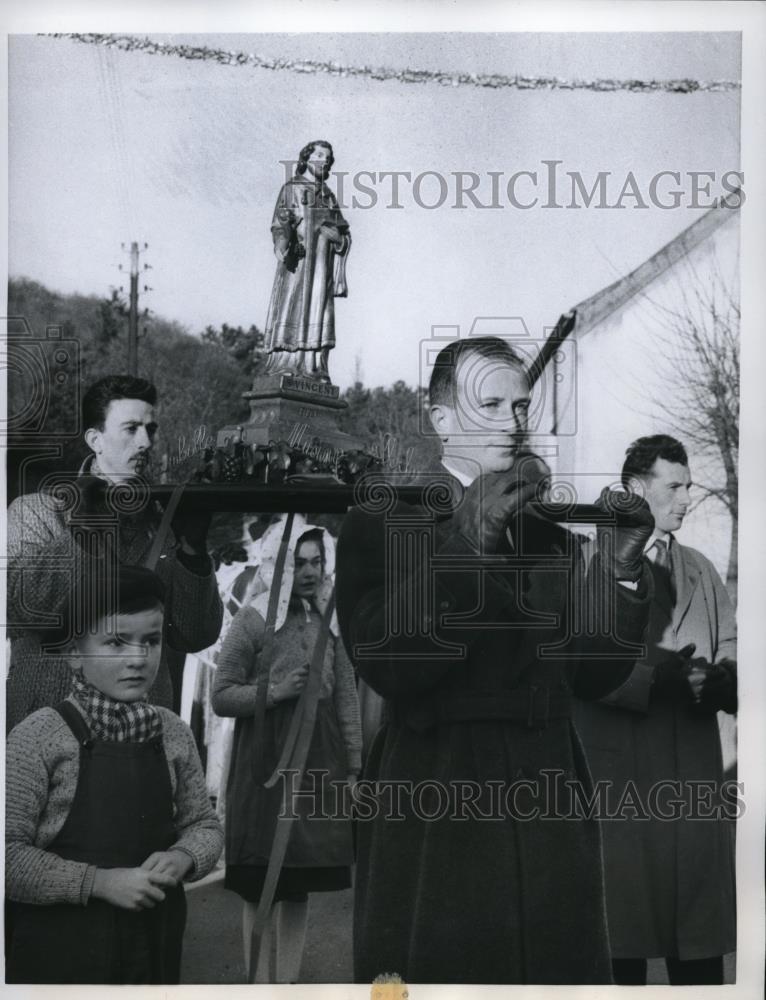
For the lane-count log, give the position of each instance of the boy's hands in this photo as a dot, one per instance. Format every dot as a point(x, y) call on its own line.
point(131, 888)
point(141, 888)
point(174, 863)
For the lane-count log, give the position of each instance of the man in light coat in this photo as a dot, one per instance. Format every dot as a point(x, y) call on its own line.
point(668, 832)
point(72, 519)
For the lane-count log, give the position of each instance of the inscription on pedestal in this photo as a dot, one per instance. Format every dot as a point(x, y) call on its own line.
point(310, 387)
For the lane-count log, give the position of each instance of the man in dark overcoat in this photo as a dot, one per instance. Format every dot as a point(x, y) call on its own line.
point(477, 860)
point(52, 532)
point(669, 864)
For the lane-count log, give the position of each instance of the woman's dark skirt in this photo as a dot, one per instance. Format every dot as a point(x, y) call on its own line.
point(320, 851)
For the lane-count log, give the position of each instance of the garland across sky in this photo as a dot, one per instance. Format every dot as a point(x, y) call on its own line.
point(227, 57)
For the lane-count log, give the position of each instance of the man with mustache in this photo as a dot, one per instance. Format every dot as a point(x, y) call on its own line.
point(464, 615)
point(311, 243)
point(52, 532)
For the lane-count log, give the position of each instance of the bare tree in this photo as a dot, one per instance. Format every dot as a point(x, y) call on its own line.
point(699, 357)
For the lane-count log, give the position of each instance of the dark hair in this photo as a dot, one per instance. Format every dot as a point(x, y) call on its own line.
point(313, 535)
point(442, 386)
point(308, 149)
point(102, 590)
point(96, 400)
point(644, 452)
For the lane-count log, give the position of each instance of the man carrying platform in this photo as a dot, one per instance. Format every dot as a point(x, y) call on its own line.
point(468, 616)
point(50, 532)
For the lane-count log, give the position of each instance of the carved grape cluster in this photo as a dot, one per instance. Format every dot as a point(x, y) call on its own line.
point(278, 462)
point(351, 465)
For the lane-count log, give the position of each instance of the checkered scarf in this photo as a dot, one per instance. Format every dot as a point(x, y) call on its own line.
point(115, 721)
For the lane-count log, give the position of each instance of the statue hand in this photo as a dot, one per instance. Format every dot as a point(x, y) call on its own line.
point(281, 249)
point(331, 232)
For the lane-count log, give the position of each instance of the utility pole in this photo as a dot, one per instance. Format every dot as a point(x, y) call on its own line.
point(133, 314)
point(133, 306)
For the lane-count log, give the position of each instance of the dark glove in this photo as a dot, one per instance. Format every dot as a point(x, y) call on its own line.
point(192, 527)
point(487, 507)
point(533, 469)
point(719, 688)
point(670, 681)
point(229, 553)
point(622, 543)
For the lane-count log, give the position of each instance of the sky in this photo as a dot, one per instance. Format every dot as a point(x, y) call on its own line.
point(106, 147)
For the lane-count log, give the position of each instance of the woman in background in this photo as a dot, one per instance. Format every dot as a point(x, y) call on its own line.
point(319, 852)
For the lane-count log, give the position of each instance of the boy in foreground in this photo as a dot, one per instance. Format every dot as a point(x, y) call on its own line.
point(107, 812)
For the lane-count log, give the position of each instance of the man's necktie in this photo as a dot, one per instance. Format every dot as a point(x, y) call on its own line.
point(663, 563)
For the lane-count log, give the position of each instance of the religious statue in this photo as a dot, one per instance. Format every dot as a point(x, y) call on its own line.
point(311, 243)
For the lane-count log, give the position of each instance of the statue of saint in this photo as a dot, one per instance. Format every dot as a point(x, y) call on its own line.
point(311, 243)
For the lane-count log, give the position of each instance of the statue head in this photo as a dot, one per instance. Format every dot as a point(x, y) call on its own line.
point(321, 164)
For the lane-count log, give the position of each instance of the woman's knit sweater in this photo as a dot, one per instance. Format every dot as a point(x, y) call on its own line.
point(42, 768)
point(238, 669)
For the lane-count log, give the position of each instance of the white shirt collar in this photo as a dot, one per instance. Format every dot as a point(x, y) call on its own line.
point(663, 536)
point(90, 467)
point(462, 477)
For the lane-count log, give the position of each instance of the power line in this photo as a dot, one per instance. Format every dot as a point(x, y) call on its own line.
point(227, 57)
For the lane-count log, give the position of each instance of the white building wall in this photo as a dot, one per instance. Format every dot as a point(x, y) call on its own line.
point(617, 387)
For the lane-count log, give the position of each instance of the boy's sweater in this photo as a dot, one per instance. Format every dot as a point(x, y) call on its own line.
point(42, 768)
point(38, 538)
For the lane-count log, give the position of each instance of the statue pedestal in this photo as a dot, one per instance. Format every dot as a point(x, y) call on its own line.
point(300, 411)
